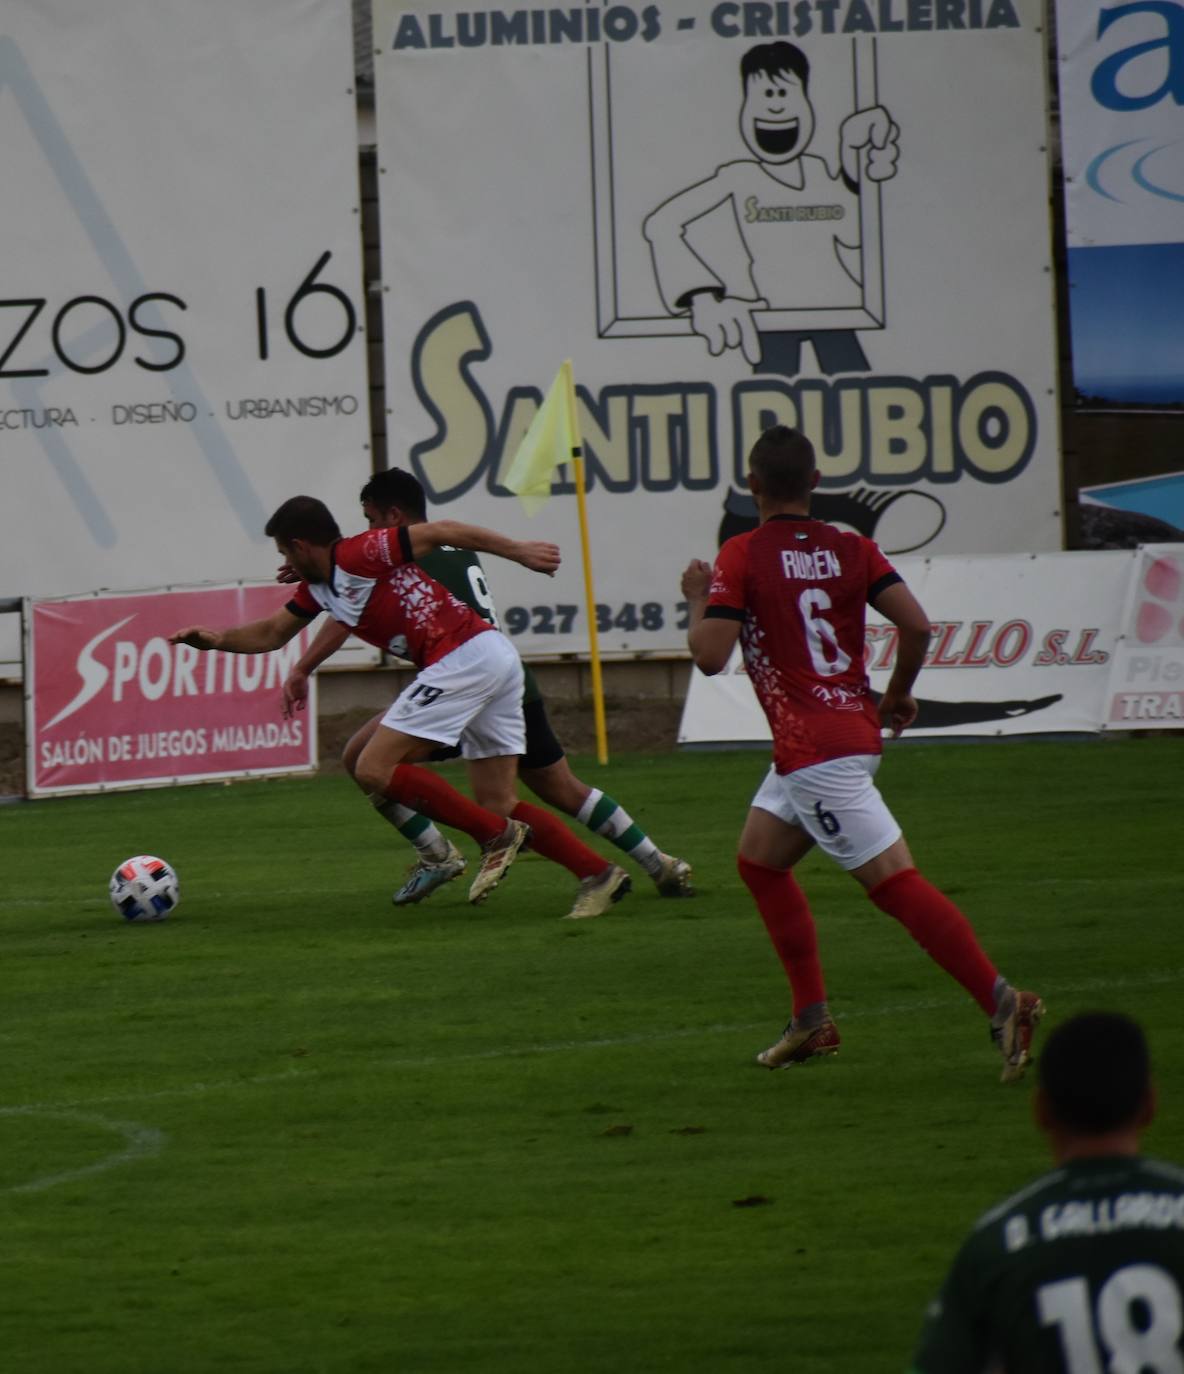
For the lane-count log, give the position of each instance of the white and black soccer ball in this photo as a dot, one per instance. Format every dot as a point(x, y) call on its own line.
point(144, 888)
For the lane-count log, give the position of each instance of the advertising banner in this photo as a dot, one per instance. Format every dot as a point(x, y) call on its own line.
point(830, 214)
point(181, 309)
point(111, 703)
point(1021, 646)
point(1145, 690)
point(1121, 82)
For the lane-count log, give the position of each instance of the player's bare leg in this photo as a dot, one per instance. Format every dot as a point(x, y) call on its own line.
point(360, 738)
point(769, 848)
point(559, 787)
point(944, 933)
point(494, 783)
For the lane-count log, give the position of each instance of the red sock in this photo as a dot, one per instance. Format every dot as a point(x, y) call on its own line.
point(553, 840)
point(420, 789)
point(941, 930)
point(786, 915)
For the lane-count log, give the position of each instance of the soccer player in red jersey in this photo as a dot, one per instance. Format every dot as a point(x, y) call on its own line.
point(794, 592)
point(394, 498)
point(468, 689)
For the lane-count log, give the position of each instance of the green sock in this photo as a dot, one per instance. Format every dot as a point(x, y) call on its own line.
point(412, 826)
point(605, 816)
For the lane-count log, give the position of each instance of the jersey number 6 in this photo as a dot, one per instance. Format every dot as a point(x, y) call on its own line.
point(828, 658)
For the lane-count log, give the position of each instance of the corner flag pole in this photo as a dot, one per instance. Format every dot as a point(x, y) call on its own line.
point(577, 462)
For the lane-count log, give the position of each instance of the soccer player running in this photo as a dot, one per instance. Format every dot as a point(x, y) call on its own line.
point(1083, 1270)
point(394, 499)
point(468, 689)
point(794, 591)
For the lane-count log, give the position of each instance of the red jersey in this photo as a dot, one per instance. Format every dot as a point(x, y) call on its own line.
point(800, 588)
point(376, 589)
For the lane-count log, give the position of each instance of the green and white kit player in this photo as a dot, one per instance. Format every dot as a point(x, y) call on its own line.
point(395, 498)
point(1082, 1272)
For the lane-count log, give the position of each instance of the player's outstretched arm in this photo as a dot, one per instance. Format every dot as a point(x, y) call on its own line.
point(256, 637)
point(330, 637)
point(534, 554)
point(898, 707)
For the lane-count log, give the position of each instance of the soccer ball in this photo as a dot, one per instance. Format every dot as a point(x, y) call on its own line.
point(144, 888)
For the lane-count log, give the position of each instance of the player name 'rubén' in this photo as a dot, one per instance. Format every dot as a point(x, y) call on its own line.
point(813, 566)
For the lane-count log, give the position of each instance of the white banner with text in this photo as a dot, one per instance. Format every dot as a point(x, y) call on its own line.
point(181, 307)
point(728, 216)
point(1021, 645)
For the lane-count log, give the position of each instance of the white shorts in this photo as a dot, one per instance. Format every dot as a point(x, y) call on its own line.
point(837, 804)
point(472, 696)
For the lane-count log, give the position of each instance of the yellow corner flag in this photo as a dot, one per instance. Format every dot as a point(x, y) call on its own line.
point(552, 439)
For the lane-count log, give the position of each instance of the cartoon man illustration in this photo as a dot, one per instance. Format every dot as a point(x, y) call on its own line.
point(799, 224)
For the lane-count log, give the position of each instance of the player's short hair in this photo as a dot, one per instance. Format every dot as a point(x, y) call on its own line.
point(1095, 1072)
point(303, 517)
point(783, 459)
point(771, 59)
point(396, 487)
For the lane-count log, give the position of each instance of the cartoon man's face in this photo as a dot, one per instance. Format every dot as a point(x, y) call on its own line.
point(777, 120)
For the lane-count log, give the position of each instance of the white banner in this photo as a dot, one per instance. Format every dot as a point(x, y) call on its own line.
point(1145, 690)
point(181, 310)
point(1121, 88)
point(829, 213)
point(1021, 646)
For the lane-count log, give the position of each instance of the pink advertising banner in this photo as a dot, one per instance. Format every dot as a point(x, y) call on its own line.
point(111, 703)
point(1145, 690)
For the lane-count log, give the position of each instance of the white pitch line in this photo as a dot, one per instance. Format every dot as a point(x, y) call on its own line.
point(198, 1089)
point(140, 1142)
point(646, 1038)
point(1102, 984)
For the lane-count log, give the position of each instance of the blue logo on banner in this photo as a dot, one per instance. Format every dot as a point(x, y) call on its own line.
point(1134, 167)
point(1105, 82)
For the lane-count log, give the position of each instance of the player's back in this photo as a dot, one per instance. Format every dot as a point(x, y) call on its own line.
point(1083, 1271)
point(461, 572)
point(378, 589)
point(806, 586)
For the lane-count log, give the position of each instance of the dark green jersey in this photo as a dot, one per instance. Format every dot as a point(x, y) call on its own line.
point(1080, 1273)
point(461, 572)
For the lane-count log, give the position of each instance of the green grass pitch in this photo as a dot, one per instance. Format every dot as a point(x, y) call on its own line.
point(293, 1130)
